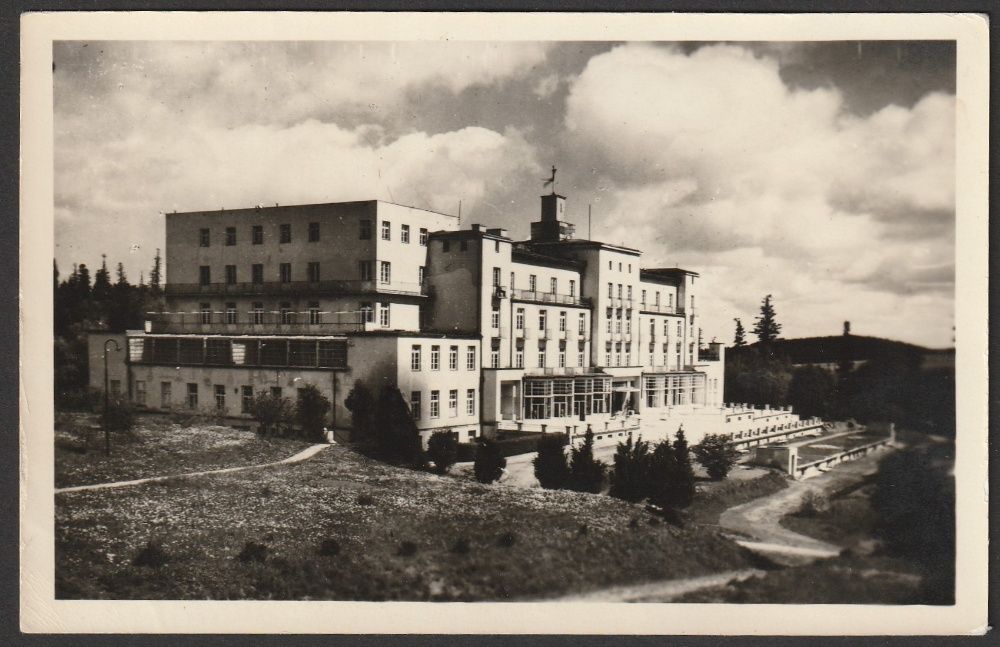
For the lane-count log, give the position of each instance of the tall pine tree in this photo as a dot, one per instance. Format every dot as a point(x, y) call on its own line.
point(102, 283)
point(766, 326)
point(740, 339)
point(155, 275)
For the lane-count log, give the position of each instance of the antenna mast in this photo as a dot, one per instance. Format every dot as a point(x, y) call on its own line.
point(589, 237)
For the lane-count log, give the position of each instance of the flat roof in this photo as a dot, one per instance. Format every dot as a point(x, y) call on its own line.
point(317, 205)
point(657, 272)
point(520, 255)
point(580, 242)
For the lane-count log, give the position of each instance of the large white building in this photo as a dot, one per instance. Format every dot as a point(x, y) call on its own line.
point(478, 331)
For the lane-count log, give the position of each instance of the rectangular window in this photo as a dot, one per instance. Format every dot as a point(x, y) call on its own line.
point(220, 397)
point(285, 272)
point(629, 295)
point(404, 234)
point(470, 402)
point(470, 358)
point(541, 354)
point(619, 290)
point(453, 402)
point(386, 230)
point(532, 283)
point(285, 234)
point(642, 298)
point(415, 357)
point(230, 236)
point(313, 312)
point(435, 404)
point(628, 321)
point(519, 319)
point(365, 229)
point(453, 358)
point(611, 290)
point(495, 318)
point(313, 232)
point(562, 358)
point(385, 272)
point(230, 275)
point(666, 327)
point(367, 312)
point(312, 271)
point(230, 313)
point(542, 320)
point(579, 359)
point(383, 315)
point(205, 275)
point(495, 358)
point(656, 299)
point(204, 238)
point(420, 274)
point(670, 300)
point(257, 313)
point(511, 280)
point(192, 395)
point(415, 404)
point(257, 235)
point(562, 321)
point(365, 270)
point(257, 273)
point(496, 277)
point(582, 324)
point(496, 246)
point(435, 358)
point(166, 397)
point(609, 319)
point(572, 288)
point(140, 392)
point(519, 356)
point(423, 237)
point(206, 313)
point(553, 285)
point(285, 312)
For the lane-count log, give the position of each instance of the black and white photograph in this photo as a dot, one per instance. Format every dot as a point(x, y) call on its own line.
point(539, 320)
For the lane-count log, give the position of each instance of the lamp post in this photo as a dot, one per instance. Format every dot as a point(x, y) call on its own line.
point(107, 434)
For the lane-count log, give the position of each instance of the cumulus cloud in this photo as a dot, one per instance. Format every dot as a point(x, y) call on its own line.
point(710, 153)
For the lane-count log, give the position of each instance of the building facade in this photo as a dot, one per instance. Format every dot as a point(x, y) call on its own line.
point(478, 331)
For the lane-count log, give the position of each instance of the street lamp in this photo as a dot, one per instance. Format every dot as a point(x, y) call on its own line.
point(107, 434)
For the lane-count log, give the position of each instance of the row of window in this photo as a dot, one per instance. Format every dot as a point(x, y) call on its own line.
point(257, 235)
point(365, 271)
point(434, 404)
point(611, 267)
point(191, 395)
point(542, 320)
point(385, 232)
point(417, 351)
point(313, 315)
point(533, 283)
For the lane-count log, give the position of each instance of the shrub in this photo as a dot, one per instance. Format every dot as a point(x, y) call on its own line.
point(395, 434)
point(716, 455)
point(586, 473)
point(490, 463)
point(119, 416)
point(151, 555)
point(671, 479)
point(813, 504)
point(253, 552)
point(272, 414)
point(630, 478)
point(551, 468)
point(310, 413)
point(407, 549)
point(329, 548)
point(361, 403)
point(442, 450)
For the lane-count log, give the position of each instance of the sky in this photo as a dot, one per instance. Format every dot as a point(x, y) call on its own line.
point(820, 173)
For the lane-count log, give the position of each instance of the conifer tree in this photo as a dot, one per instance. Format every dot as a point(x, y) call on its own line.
point(490, 462)
point(102, 283)
point(739, 340)
point(586, 472)
point(684, 492)
point(551, 468)
point(155, 274)
point(766, 326)
point(630, 478)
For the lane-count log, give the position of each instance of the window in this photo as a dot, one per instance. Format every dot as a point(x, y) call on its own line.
point(495, 356)
point(453, 358)
point(666, 327)
point(453, 403)
point(642, 297)
point(435, 404)
point(383, 315)
point(652, 328)
point(680, 330)
point(204, 275)
point(192, 395)
point(629, 268)
point(257, 273)
point(511, 280)
point(313, 232)
point(206, 313)
point(140, 392)
point(572, 288)
point(246, 399)
point(495, 318)
point(166, 397)
point(619, 267)
point(365, 229)
point(276, 392)
point(204, 238)
point(541, 354)
point(313, 312)
point(470, 358)
point(415, 404)
point(404, 234)
point(628, 322)
point(609, 320)
point(230, 313)
point(618, 320)
point(367, 312)
point(415, 357)
point(285, 312)
point(580, 358)
point(519, 319)
point(435, 358)
point(656, 301)
point(496, 246)
point(609, 265)
point(532, 283)
point(607, 354)
point(257, 235)
point(386, 230)
point(285, 272)
point(562, 356)
point(423, 237)
point(230, 275)
point(670, 299)
point(611, 290)
point(257, 313)
point(230, 236)
point(470, 402)
point(519, 355)
point(542, 317)
point(220, 397)
point(582, 324)
point(629, 293)
point(285, 233)
point(421, 275)
point(385, 272)
point(553, 285)
point(496, 277)
point(312, 271)
point(619, 290)
point(365, 270)
point(562, 321)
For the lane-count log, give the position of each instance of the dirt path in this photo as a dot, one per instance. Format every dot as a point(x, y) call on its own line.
point(301, 456)
point(662, 591)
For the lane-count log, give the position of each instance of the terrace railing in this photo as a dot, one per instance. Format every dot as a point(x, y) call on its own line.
point(297, 287)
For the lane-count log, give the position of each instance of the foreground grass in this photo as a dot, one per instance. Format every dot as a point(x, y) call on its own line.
point(715, 498)
point(385, 533)
point(159, 445)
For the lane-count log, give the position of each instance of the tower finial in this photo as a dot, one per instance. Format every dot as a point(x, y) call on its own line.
point(551, 180)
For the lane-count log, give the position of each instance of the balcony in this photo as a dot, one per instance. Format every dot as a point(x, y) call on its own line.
point(324, 323)
point(618, 302)
point(297, 287)
point(548, 297)
point(564, 371)
point(661, 309)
